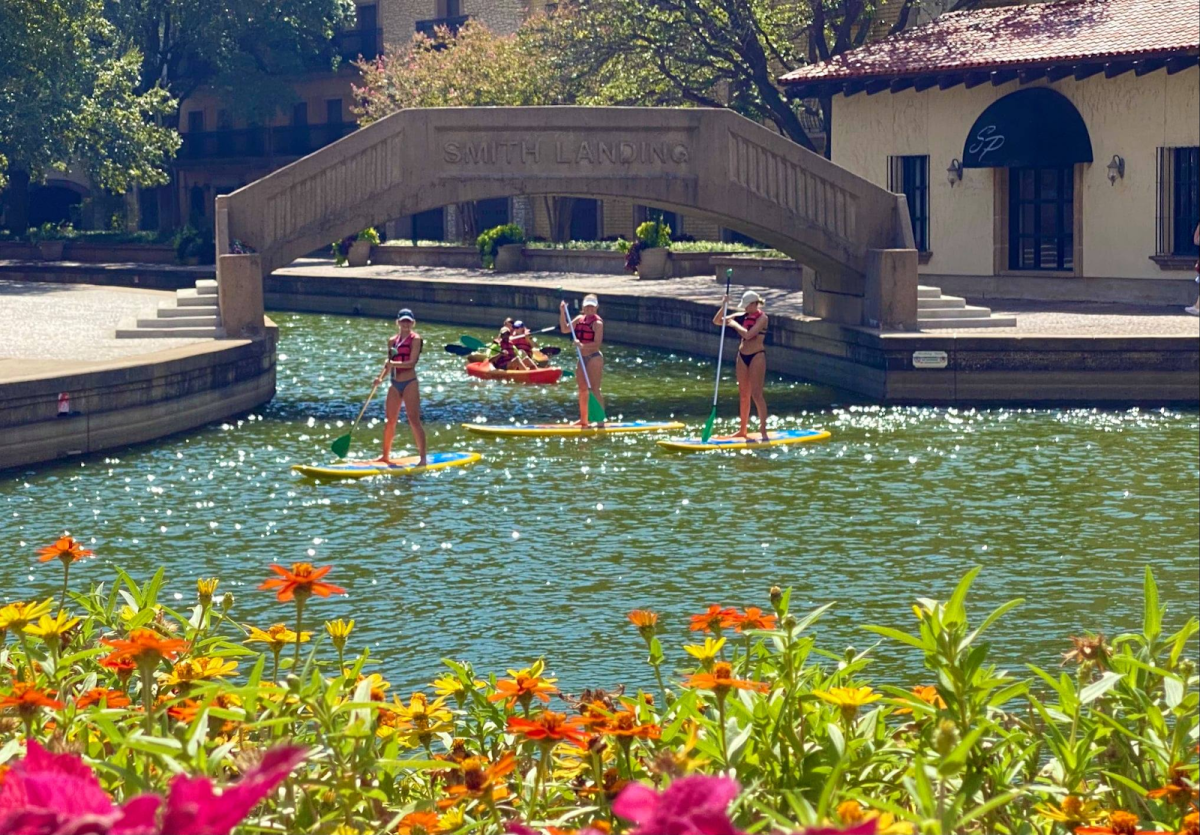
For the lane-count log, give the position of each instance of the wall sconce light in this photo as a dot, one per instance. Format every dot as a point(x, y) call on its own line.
point(1116, 169)
point(955, 172)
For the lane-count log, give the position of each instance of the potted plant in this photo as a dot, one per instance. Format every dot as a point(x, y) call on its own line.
point(647, 255)
point(50, 240)
point(501, 248)
point(360, 249)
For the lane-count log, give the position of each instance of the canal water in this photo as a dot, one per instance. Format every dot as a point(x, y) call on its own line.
point(543, 546)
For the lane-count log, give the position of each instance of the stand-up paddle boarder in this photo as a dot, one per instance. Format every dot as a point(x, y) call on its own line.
point(587, 330)
point(751, 360)
point(404, 351)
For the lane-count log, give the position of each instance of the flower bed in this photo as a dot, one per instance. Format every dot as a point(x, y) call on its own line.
point(120, 712)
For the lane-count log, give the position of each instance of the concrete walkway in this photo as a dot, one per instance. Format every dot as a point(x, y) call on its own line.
point(49, 327)
point(1033, 318)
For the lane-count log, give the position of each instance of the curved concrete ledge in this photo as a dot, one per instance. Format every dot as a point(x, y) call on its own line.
point(980, 368)
point(140, 398)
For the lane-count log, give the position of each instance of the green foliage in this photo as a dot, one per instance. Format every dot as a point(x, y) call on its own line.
point(370, 235)
point(68, 96)
point(195, 244)
point(653, 233)
point(489, 242)
point(958, 746)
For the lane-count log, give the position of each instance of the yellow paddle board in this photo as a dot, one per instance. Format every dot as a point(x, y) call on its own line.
point(780, 438)
point(554, 430)
point(400, 466)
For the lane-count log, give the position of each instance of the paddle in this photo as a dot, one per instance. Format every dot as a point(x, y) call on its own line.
point(341, 445)
point(471, 342)
point(459, 350)
point(712, 416)
point(595, 412)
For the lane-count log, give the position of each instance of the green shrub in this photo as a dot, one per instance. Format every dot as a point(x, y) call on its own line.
point(489, 242)
point(369, 235)
point(654, 233)
point(191, 242)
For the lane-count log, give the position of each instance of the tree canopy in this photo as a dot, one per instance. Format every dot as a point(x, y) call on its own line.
point(69, 96)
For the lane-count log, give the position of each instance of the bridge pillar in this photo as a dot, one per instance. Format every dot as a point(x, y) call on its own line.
point(240, 295)
point(890, 289)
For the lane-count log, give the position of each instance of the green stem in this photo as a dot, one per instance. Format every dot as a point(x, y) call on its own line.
point(275, 667)
point(721, 727)
point(299, 617)
point(661, 686)
point(25, 649)
point(28, 719)
point(341, 661)
point(147, 673)
point(62, 602)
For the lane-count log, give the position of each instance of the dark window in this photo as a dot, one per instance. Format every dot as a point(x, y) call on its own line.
point(663, 216)
point(368, 18)
point(1041, 218)
point(1178, 200)
point(492, 213)
point(429, 226)
point(333, 111)
point(585, 220)
point(909, 175)
point(195, 121)
point(300, 113)
point(196, 204)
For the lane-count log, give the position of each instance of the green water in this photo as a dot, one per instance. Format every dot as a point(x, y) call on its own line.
point(544, 545)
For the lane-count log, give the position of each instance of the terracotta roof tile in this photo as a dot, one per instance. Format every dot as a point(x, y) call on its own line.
point(1039, 33)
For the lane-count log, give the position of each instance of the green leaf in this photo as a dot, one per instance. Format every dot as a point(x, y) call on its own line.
point(1173, 690)
point(996, 614)
point(956, 607)
point(1151, 614)
point(1097, 689)
point(896, 635)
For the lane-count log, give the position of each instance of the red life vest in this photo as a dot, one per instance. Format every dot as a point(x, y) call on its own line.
point(400, 348)
point(524, 343)
point(585, 328)
point(750, 318)
point(506, 347)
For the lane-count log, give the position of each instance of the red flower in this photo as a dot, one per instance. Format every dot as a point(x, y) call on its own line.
point(714, 620)
point(142, 646)
point(66, 549)
point(102, 696)
point(25, 699)
point(753, 618)
point(549, 726)
point(1119, 823)
point(302, 581)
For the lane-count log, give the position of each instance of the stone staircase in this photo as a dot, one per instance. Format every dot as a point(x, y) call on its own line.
point(938, 311)
point(193, 315)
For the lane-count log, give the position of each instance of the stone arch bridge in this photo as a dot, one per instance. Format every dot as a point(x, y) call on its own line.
point(707, 162)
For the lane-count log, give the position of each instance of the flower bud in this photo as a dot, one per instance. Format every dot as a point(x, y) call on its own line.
point(945, 739)
point(227, 601)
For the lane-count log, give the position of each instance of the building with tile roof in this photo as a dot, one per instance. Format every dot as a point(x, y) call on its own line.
point(1047, 149)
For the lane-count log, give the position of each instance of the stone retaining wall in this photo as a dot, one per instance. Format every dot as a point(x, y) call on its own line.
point(539, 259)
point(95, 252)
point(134, 400)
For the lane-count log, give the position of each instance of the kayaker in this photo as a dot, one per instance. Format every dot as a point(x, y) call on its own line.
point(507, 352)
point(751, 360)
point(404, 351)
point(588, 330)
point(521, 339)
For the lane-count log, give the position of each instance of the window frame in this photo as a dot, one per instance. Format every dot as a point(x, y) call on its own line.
point(1063, 201)
point(1178, 205)
point(908, 174)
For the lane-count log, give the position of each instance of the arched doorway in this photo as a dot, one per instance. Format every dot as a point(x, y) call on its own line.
point(55, 202)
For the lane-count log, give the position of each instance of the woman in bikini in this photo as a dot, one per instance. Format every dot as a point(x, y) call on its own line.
point(751, 360)
point(588, 330)
point(404, 351)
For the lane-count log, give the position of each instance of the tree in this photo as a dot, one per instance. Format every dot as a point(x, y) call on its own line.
point(243, 47)
point(709, 53)
point(475, 68)
point(69, 96)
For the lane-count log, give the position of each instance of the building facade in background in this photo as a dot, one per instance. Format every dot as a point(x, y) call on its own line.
point(1036, 145)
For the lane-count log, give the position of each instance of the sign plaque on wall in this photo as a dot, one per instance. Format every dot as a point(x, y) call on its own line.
point(930, 359)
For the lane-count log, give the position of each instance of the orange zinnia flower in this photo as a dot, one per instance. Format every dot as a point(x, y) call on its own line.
point(25, 699)
point(66, 549)
point(929, 695)
point(302, 581)
point(143, 646)
point(1119, 823)
point(714, 620)
point(420, 823)
point(102, 696)
point(1191, 824)
point(523, 687)
point(123, 667)
point(481, 779)
point(645, 621)
point(752, 618)
point(720, 680)
point(624, 724)
point(1177, 790)
point(549, 726)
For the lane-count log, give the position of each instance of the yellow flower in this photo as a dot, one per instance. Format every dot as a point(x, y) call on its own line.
point(848, 699)
point(417, 721)
point(52, 629)
point(453, 686)
point(197, 669)
point(16, 616)
point(205, 589)
point(851, 812)
point(276, 637)
point(339, 630)
point(377, 684)
point(706, 652)
point(1073, 811)
point(452, 819)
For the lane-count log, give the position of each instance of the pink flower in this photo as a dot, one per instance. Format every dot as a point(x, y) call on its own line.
point(867, 828)
point(693, 805)
point(57, 794)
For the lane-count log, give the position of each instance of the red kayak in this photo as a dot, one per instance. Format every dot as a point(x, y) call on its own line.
point(536, 376)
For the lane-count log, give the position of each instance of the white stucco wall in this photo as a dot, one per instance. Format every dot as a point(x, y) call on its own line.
point(1126, 115)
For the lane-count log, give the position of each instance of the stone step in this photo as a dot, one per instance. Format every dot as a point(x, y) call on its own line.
point(170, 311)
point(177, 322)
point(965, 312)
point(943, 302)
point(189, 298)
point(170, 333)
point(206, 287)
point(947, 324)
point(926, 292)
